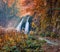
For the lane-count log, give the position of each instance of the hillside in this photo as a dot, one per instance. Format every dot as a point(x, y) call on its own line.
point(29, 25)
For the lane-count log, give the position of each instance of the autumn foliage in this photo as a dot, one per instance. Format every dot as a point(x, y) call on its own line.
point(13, 41)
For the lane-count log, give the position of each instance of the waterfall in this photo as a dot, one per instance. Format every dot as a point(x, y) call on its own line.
point(24, 23)
point(27, 26)
point(19, 27)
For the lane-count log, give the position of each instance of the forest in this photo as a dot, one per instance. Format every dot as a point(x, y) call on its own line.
point(29, 25)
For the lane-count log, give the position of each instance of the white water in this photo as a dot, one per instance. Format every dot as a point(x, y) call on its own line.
point(48, 41)
point(27, 27)
point(18, 28)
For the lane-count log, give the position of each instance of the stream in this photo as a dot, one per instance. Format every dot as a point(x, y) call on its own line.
point(49, 41)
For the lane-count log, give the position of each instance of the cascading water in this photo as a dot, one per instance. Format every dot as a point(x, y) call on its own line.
point(19, 27)
point(23, 22)
point(27, 26)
